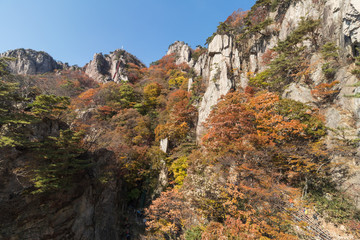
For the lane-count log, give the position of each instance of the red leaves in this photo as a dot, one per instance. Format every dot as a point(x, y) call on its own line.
point(134, 72)
point(162, 66)
point(87, 96)
point(324, 91)
point(106, 110)
point(181, 117)
point(258, 15)
point(268, 56)
point(167, 214)
point(237, 18)
point(241, 122)
point(269, 123)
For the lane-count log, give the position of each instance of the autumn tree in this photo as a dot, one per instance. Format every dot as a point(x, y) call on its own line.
point(117, 96)
point(181, 117)
point(237, 20)
point(133, 72)
point(152, 92)
point(167, 215)
point(177, 78)
point(85, 99)
point(248, 214)
point(269, 142)
point(243, 124)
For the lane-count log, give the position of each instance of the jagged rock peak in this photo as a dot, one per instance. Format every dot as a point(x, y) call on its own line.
point(181, 50)
point(111, 67)
point(28, 61)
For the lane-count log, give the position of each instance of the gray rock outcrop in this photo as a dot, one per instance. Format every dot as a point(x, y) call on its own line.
point(111, 67)
point(181, 50)
point(217, 66)
point(28, 61)
point(351, 25)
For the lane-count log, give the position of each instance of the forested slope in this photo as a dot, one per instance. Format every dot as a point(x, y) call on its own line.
point(254, 136)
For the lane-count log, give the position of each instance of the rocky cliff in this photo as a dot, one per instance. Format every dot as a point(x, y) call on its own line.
point(30, 62)
point(181, 50)
point(229, 62)
point(111, 67)
point(88, 210)
point(339, 23)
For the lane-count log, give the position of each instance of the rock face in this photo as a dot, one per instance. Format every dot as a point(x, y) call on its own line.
point(92, 211)
point(111, 67)
point(218, 65)
point(181, 50)
point(164, 143)
point(27, 61)
point(86, 211)
point(351, 25)
point(225, 66)
point(340, 23)
point(214, 65)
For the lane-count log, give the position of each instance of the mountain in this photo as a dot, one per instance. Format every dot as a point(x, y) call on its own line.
point(258, 135)
point(28, 61)
point(102, 68)
point(111, 67)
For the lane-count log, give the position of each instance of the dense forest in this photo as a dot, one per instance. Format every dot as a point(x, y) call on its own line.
point(263, 165)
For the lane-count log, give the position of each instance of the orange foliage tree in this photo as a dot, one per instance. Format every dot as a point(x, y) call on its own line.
point(270, 143)
point(134, 72)
point(181, 117)
point(325, 92)
point(173, 212)
point(243, 122)
point(252, 211)
point(237, 18)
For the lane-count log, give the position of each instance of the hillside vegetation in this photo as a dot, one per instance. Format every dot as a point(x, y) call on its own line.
point(263, 168)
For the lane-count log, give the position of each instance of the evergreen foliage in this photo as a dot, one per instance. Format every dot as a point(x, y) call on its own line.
point(11, 116)
point(60, 161)
point(290, 61)
point(49, 106)
point(356, 70)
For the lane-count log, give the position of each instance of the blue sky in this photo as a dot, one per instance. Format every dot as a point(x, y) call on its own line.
point(73, 30)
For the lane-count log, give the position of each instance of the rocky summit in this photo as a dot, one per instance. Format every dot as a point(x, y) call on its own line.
point(28, 61)
point(111, 67)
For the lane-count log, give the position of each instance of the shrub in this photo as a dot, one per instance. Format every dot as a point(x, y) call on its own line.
point(60, 161)
point(290, 62)
point(49, 106)
point(330, 51)
point(334, 205)
point(328, 70)
point(194, 233)
point(179, 170)
point(324, 91)
point(197, 53)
